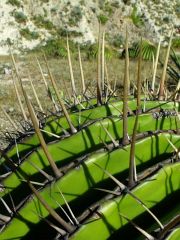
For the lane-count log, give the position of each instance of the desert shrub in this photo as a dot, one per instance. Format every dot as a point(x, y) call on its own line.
point(56, 48)
point(75, 16)
point(43, 23)
point(174, 67)
point(54, 10)
point(14, 3)
point(63, 32)
point(29, 35)
point(127, 2)
point(166, 19)
point(20, 17)
point(82, 2)
point(148, 50)
point(102, 18)
point(177, 9)
point(117, 40)
point(108, 9)
point(136, 18)
point(115, 4)
point(176, 42)
point(91, 51)
point(44, 1)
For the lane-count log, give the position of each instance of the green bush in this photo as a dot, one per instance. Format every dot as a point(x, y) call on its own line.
point(108, 9)
point(14, 3)
point(75, 16)
point(54, 48)
point(127, 2)
point(91, 51)
point(166, 19)
point(41, 22)
point(174, 67)
point(117, 40)
point(20, 17)
point(176, 42)
point(57, 47)
point(29, 35)
point(63, 32)
point(54, 10)
point(137, 19)
point(82, 2)
point(103, 18)
point(148, 50)
point(115, 4)
point(177, 9)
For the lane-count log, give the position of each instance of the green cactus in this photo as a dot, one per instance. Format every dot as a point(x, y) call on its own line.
point(62, 184)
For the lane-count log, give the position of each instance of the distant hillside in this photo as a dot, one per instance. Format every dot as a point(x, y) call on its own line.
point(28, 23)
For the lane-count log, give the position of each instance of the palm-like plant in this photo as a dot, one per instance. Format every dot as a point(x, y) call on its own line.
point(174, 68)
point(148, 50)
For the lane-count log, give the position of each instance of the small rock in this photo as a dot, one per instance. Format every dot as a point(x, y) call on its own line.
point(7, 71)
point(11, 109)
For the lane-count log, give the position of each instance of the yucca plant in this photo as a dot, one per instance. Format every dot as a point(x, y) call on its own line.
point(136, 18)
point(148, 50)
point(92, 52)
point(103, 169)
point(174, 69)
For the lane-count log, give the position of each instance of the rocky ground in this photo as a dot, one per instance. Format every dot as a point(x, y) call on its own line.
point(26, 24)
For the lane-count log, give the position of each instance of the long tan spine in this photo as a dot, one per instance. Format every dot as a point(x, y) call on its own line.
point(132, 164)
point(72, 128)
point(35, 93)
point(69, 228)
point(99, 90)
point(56, 171)
point(155, 65)
point(161, 89)
point(71, 71)
point(125, 94)
point(81, 71)
point(103, 62)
